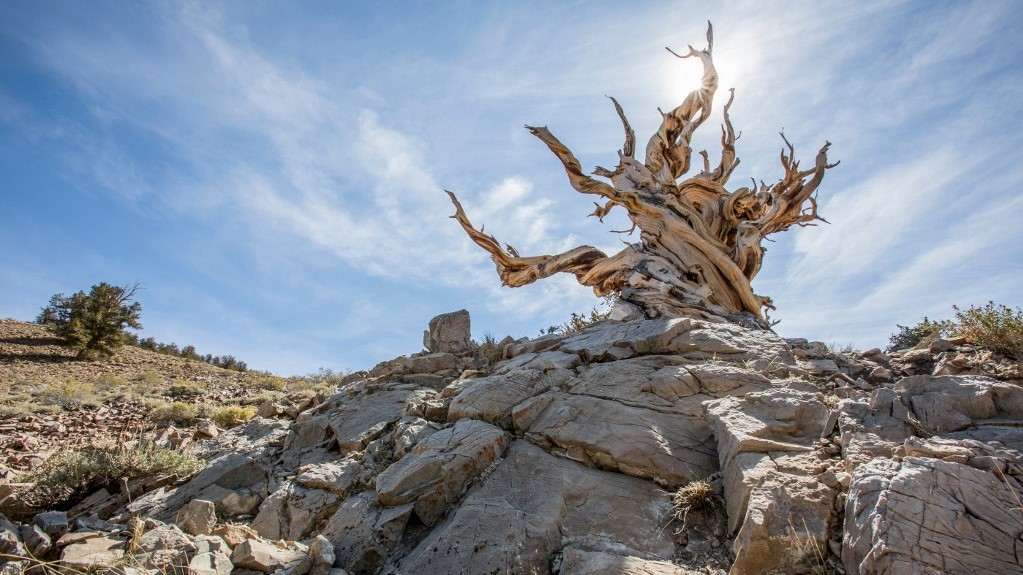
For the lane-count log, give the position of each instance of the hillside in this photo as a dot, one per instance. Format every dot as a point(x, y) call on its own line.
point(51, 401)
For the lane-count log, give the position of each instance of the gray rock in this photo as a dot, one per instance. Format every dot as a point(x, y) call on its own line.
point(576, 561)
point(293, 511)
point(432, 363)
point(93, 552)
point(355, 421)
point(53, 523)
point(36, 540)
point(209, 563)
point(440, 469)
point(531, 504)
point(925, 515)
point(165, 548)
point(337, 476)
point(492, 398)
point(321, 551)
point(363, 533)
point(666, 447)
point(197, 518)
point(449, 332)
point(265, 557)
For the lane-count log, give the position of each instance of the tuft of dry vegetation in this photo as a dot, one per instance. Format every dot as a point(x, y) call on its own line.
point(694, 496)
point(232, 415)
point(996, 327)
point(74, 474)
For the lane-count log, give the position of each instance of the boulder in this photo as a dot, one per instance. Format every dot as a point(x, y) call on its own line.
point(265, 557)
point(576, 561)
point(926, 515)
point(165, 548)
point(293, 511)
point(449, 332)
point(439, 469)
point(663, 446)
point(93, 552)
point(363, 533)
point(531, 504)
point(197, 518)
point(210, 563)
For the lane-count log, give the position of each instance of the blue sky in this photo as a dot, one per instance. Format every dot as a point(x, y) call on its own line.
point(272, 172)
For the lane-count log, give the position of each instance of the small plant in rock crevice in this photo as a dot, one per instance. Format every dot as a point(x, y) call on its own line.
point(694, 496)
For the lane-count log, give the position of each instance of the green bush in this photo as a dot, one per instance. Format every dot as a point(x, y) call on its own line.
point(178, 412)
point(94, 324)
point(996, 327)
point(908, 337)
point(268, 382)
point(68, 394)
point(69, 476)
point(149, 379)
point(184, 388)
point(233, 415)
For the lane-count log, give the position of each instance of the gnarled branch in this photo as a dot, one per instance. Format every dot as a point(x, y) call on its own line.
point(699, 245)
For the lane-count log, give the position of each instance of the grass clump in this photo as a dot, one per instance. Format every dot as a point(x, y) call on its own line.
point(178, 413)
point(232, 415)
point(694, 496)
point(69, 476)
point(996, 327)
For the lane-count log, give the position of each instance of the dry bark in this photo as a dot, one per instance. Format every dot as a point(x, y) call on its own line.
point(700, 245)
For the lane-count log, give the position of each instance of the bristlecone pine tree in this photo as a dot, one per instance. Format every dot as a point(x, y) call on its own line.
point(699, 244)
point(94, 324)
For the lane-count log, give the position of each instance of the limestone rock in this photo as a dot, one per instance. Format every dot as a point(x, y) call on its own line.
point(208, 563)
point(926, 515)
point(363, 533)
point(449, 332)
point(530, 504)
point(165, 548)
point(336, 476)
point(292, 511)
point(438, 470)
point(357, 420)
point(265, 557)
point(666, 447)
point(197, 518)
point(93, 552)
point(321, 551)
point(492, 398)
point(579, 562)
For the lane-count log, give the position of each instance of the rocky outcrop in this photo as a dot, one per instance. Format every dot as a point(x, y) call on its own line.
point(565, 456)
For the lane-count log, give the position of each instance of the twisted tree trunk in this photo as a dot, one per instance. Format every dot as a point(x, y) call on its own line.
point(699, 244)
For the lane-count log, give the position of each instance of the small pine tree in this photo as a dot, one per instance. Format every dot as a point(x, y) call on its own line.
point(94, 324)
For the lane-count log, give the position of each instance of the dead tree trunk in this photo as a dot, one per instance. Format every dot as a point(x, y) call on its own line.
point(700, 245)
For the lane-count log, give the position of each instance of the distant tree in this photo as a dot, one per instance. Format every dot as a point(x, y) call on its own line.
point(94, 324)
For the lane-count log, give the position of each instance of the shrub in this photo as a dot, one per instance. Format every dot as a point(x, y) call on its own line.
point(177, 412)
point(184, 388)
point(149, 378)
point(109, 381)
point(908, 337)
point(94, 324)
point(996, 327)
point(267, 381)
point(233, 415)
point(72, 475)
point(68, 394)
